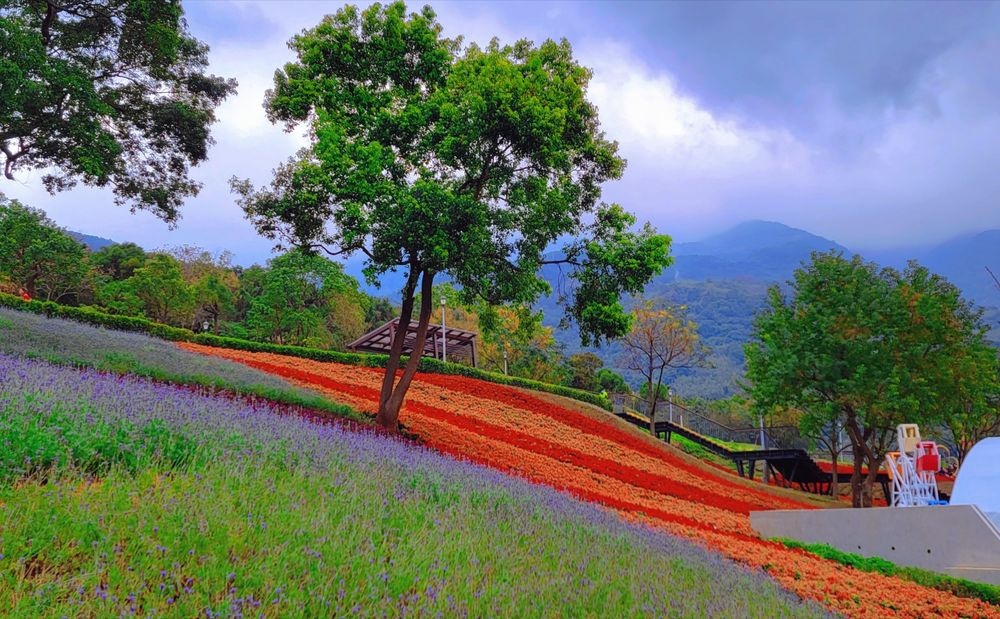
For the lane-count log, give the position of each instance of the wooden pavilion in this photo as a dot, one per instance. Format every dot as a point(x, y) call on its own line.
point(460, 344)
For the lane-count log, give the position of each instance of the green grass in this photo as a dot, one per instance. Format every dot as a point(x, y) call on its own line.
point(266, 515)
point(942, 582)
point(302, 545)
point(64, 342)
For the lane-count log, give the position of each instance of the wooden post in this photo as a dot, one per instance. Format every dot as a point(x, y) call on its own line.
point(475, 363)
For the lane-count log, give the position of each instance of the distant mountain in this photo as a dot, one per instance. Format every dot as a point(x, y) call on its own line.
point(756, 249)
point(964, 260)
point(94, 243)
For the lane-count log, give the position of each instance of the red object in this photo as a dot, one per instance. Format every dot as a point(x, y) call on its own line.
point(25, 295)
point(929, 460)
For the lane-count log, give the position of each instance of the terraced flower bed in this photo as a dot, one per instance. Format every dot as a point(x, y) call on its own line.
point(127, 497)
point(601, 462)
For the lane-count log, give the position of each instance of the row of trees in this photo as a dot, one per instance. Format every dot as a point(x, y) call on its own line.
point(297, 298)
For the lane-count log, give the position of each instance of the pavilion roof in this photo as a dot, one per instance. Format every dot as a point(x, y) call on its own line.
point(460, 343)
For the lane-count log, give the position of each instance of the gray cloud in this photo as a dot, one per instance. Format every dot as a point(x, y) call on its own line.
point(875, 124)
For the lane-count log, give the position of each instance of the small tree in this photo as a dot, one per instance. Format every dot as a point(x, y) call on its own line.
point(970, 399)
point(610, 381)
point(160, 287)
point(117, 261)
point(441, 161)
point(662, 339)
point(583, 370)
point(869, 347)
point(108, 92)
point(37, 255)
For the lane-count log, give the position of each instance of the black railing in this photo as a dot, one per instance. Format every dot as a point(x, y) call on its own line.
point(774, 437)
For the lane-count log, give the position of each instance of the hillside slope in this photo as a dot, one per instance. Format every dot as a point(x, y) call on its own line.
point(595, 460)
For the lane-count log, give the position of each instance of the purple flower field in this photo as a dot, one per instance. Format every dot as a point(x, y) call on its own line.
point(268, 514)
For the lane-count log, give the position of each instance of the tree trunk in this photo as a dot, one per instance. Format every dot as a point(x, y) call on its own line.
point(835, 476)
point(856, 476)
point(869, 482)
point(834, 459)
point(391, 397)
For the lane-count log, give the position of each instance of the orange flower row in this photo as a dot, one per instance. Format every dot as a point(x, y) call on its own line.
point(515, 432)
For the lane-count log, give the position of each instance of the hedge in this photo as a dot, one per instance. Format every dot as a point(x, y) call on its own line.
point(942, 582)
point(94, 316)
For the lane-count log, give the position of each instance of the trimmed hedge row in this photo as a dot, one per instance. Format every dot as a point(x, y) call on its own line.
point(99, 318)
point(942, 582)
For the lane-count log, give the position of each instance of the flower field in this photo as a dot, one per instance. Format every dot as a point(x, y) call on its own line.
point(601, 461)
point(120, 496)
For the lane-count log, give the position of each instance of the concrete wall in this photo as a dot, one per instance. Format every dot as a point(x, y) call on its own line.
point(954, 539)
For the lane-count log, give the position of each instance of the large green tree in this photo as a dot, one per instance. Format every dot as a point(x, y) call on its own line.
point(867, 348)
point(38, 256)
point(107, 92)
point(118, 261)
point(305, 299)
point(434, 159)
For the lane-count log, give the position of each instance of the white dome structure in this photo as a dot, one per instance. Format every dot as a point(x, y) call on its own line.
point(978, 481)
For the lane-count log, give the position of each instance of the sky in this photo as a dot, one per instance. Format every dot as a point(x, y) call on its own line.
point(873, 124)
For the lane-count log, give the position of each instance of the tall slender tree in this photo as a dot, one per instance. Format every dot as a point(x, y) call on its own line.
point(433, 159)
point(662, 339)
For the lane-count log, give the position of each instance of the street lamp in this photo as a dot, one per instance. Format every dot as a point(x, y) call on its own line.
point(444, 337)
point(505, 358)
point(670, 396)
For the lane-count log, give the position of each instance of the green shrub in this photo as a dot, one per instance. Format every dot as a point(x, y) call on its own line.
point(99, 318)
point(942, 582)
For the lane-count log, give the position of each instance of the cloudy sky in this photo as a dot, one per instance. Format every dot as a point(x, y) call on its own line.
point(876, 125)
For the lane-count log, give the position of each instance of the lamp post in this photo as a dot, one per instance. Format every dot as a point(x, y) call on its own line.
point(670, 398)
point(505, 358)
point(444, 337)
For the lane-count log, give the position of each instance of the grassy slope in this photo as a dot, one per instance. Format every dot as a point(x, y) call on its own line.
point(66, 342)
point(276, 516)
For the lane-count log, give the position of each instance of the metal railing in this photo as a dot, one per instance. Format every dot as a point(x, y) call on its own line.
point(770, 437)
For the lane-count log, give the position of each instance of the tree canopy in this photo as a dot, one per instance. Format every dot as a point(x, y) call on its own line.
point(38, 256)
point(662, 339)
point(435, 159)
point(868, 348)
point(111, 93)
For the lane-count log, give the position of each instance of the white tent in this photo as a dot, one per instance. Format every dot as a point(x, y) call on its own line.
point(978, 481)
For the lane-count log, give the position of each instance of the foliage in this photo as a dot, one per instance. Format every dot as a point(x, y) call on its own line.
point(426, 364)
point(306, 300)
point(38, 256)
point(441, 161)
point(110, 93)
point(661, 339)
point(583, 371)
point(867, 348)
point(118, 261)
point(160, 289)
point(531, 349)
point(610, 381)
point(942, 582)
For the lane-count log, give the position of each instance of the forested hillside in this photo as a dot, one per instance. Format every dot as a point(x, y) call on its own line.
point(723, 281)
